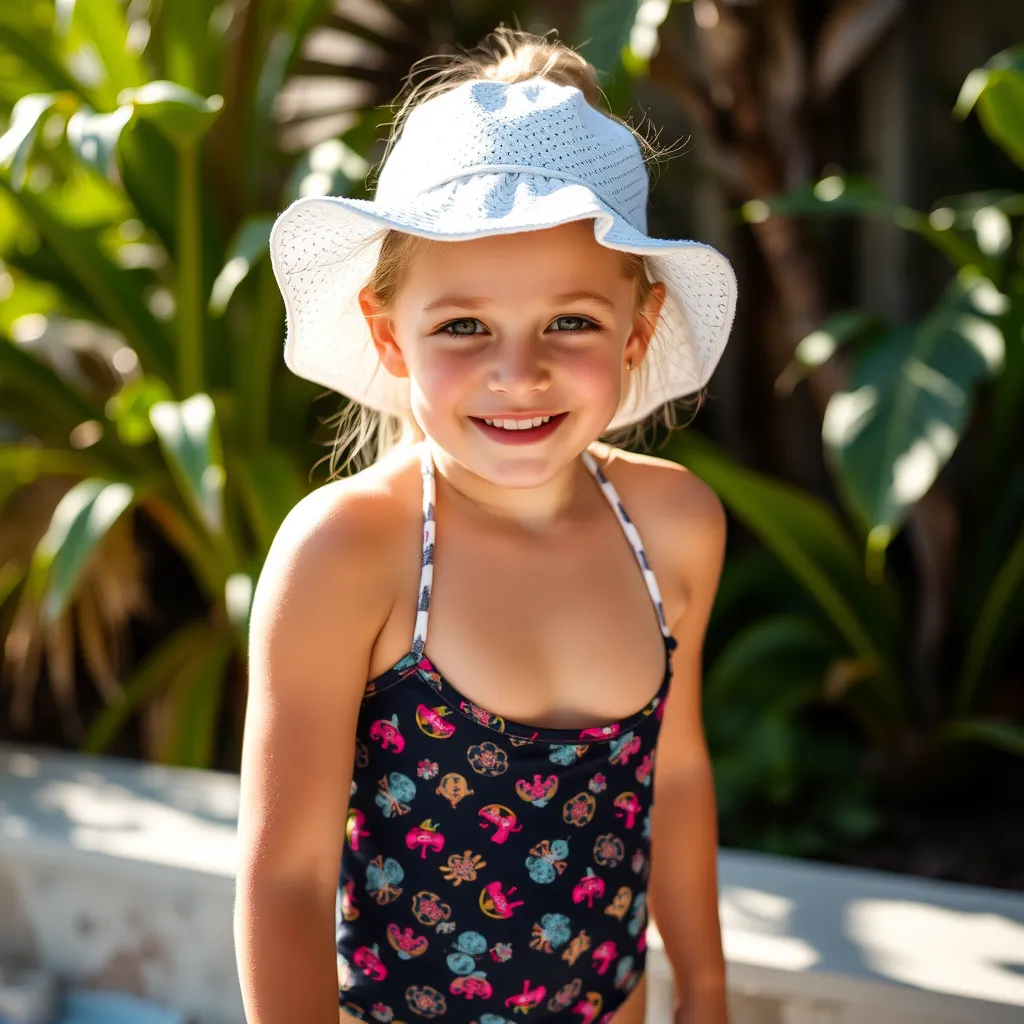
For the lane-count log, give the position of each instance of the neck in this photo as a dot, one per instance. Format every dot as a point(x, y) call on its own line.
point(532, 508)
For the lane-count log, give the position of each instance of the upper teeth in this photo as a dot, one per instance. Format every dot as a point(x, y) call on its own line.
point(518, 424)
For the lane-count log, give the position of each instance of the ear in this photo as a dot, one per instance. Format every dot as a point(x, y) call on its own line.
point(382, 332)
point(644, 323)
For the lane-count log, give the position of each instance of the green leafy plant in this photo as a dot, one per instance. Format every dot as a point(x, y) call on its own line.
point(116, 220)
point(911, 398)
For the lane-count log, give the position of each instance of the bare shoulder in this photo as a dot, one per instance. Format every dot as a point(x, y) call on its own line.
point(326, 590)
point(336, 542)
point(664, 492)
point(349, 508)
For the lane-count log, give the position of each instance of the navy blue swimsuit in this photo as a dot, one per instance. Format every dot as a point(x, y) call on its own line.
point(493, 871)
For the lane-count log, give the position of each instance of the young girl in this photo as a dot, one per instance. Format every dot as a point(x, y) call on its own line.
point(466, 778)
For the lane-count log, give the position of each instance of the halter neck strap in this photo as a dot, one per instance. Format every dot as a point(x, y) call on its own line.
point(430, 531)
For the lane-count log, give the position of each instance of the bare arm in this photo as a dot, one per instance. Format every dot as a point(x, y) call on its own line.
point(684, 826)
point(318, 606)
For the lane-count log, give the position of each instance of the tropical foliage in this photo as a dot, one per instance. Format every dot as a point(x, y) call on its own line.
point(914, 393)
point(142, 336)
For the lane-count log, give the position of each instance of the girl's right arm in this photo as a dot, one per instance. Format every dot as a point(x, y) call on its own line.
point(319, 605)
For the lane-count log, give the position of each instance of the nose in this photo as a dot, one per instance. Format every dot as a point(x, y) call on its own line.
point(520, 371)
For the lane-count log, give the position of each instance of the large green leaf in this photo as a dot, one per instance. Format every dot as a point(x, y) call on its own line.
point(17, 142)
point(910, 394)
point(181, 114)
point(102, 25)
point(619, 37)
point(94, 137)
point(183, 117)
point(299, 18)
point(1004, 403)
point(994, 732)
point(797, 642)
point(809, 540)
point(248, 248)
point(257, 358)
point(995, 622)
point(47, 280)
point(150, 175)
point(32, 45)
point(194, 703)
point(81, 520)
point(997, 91)
point(271, 486)
point(604, 31)
point(190, 441)
point(185, 39)
point(821, 345)
point(112, 289)
point(838, 196)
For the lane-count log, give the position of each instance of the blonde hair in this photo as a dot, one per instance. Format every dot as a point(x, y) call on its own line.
point(364, 435)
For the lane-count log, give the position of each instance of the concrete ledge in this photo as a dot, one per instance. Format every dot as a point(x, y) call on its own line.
point(118, 874)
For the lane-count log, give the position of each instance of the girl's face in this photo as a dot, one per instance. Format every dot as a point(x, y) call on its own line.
point(515, 328)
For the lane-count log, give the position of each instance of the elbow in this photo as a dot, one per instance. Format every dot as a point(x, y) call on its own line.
point(264, 896)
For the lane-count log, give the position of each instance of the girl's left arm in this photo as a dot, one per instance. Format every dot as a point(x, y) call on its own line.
point(683, 890)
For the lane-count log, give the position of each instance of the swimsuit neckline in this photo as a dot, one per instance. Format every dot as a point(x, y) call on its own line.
point(420, 667)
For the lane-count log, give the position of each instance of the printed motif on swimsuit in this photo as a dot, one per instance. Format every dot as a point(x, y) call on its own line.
point(493, 872)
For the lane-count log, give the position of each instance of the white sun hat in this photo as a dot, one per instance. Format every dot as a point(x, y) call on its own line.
point(492, 158)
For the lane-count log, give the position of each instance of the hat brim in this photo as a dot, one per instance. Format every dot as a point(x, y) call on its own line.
point(324, 250)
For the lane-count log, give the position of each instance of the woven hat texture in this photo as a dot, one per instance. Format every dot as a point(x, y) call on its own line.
point(489, 158)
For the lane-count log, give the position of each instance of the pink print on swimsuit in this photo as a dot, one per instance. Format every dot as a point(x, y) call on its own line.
point(424, 837)
point(503, 820)
point(588, 888)
point(528, 999)
point(387, 734)
point(497, 902)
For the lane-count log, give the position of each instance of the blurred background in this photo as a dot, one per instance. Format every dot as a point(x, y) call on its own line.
point(861, 162)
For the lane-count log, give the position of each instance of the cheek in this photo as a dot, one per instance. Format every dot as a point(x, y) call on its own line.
point(593, 375)
point(441, 378)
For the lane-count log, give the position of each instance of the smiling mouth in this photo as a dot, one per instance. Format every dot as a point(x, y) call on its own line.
point(517, 422)
point(519, 427)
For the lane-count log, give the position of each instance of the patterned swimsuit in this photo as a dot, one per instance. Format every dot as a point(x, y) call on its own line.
point(492, 871)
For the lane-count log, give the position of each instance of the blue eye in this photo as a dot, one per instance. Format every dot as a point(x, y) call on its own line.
point(587, 325)
point(447, 329)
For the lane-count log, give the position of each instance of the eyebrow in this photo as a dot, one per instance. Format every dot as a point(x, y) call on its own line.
point(473, 302)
